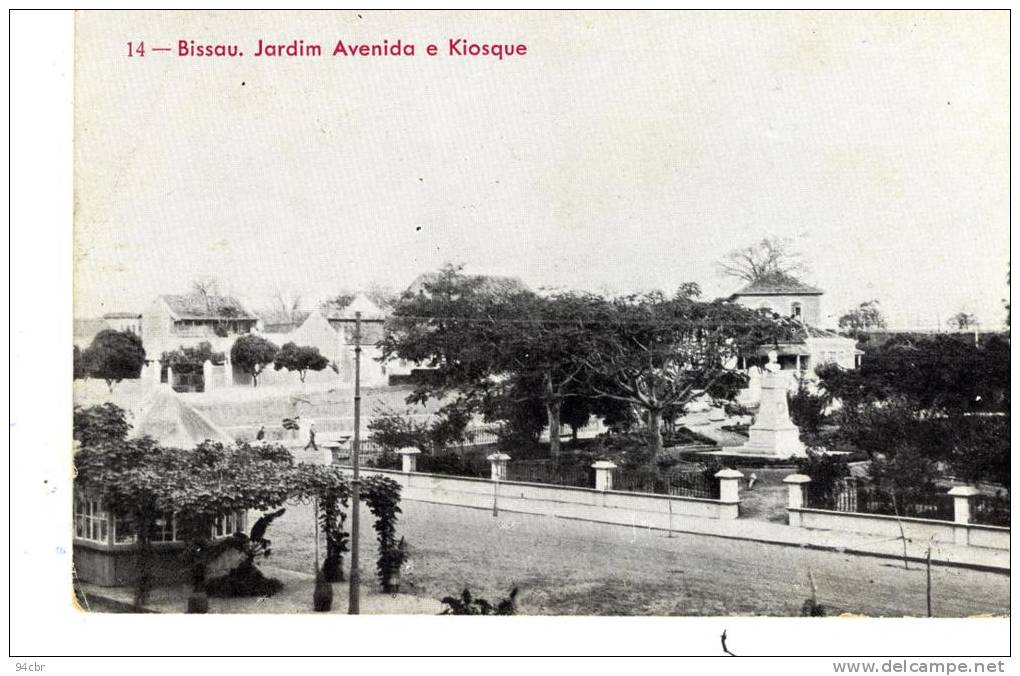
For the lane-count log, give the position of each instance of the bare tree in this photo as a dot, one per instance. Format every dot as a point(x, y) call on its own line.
point(206, 286)
point(771, 257)
point(285, 308)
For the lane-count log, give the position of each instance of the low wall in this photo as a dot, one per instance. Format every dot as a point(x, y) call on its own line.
point(972, 534)
point(637, 509)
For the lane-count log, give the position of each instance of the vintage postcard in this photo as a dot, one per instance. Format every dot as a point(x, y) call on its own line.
point(573, 313)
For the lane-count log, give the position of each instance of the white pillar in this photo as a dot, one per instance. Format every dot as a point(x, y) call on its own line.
point(729, 492)
point(603, 475)
point(408, 459)
point(796, 496)
point(498, 461)
point(963, 497)
point(170, 376)
point(207, 375)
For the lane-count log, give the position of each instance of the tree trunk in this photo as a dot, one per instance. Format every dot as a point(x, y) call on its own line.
point(655, 431)
point(553, 406)
point(553, 409)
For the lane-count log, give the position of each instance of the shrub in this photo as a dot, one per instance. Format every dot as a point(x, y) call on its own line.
point(465, 604)
point(243, 580)
point(322, 597)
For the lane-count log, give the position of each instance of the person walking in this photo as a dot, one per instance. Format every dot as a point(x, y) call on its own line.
point(311, 437)
point(261, 434)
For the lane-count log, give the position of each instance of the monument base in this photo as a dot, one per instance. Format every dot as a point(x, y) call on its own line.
point(780, 443)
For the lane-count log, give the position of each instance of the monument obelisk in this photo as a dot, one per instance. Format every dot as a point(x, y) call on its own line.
point(773, 434)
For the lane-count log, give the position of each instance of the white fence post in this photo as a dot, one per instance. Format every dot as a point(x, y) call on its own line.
point(729, 492)
point(603, 475)
point(408, 459)
point(796, 497)
point(498, 461)
point(963, 503)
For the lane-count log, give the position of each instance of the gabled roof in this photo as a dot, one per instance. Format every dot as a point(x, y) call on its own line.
point(778, 285)
point(197, 306)
point(122, 315)
point(166, 418)
point(361, 303)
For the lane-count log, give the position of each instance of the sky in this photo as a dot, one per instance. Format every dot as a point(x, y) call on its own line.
point(625, 151)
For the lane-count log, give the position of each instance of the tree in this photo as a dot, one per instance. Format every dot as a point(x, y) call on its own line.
point(865, 317)
point(79, 365)
point(382, 295)
point(252, 353)
point(115, 355)
point(284, 309)
point(301, 359)
point(771, 257)
point(940, 396)
point(191, 359)
point(657, 353)
point(963, 321)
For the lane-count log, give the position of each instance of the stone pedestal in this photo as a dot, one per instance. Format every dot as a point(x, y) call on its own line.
point(603, 475)
point(962, 510)
point(408, 459)
point(796, 496)
point(773, 434)
point(498, 461)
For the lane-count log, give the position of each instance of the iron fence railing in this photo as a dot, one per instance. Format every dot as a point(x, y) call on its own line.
point(683, 483)
point(865, 498)
point(991, 510)
point(548, 472)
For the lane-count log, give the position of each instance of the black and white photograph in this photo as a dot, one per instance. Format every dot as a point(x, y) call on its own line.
point(671, 314)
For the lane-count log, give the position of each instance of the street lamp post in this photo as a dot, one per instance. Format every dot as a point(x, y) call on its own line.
point(354, 606)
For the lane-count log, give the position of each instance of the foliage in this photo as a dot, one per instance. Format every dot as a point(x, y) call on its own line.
point(191, 359)
point(114, 356)
point(245, 579)
point(322, 597)
point(252, 353)
point(382, 495)
point(772, 257)
point(392, 430)
point(290, 424)
point(826, 472)
point(963, 321)
point(807, 408)
point(905, 475)
point(658, 353)
point(79, 365)
point(940, 395)
point(865, 317)
point(301, 359)
point(466, 604)
point(100, 424)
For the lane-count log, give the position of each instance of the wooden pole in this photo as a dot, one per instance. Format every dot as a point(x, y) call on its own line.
point(928, 563)
point(354, 605)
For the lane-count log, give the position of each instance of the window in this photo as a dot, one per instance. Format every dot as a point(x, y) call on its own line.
point(90, 521)
point(164, 530)
point(228, 524)
point(795, 310)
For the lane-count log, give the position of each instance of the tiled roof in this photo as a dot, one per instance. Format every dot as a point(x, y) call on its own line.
point(778, 285)
point(197, 306)
point(122, 315)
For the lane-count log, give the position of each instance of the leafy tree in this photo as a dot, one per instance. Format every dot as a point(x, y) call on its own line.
point(115, 355)
point(657, 353)
point(807, 408)
point(301, 359)
point(865, 317)
point(771, 257)
point(963, 321)
point(940, 396)
point(80, 366)
point(191, 359)
point(99, 425)
point(252, 353)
